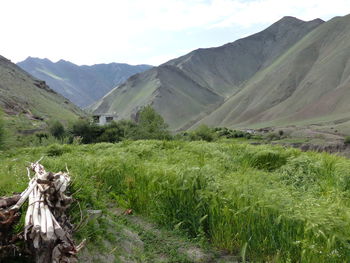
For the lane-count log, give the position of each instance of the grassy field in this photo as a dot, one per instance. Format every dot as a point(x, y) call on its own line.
point(265, 203)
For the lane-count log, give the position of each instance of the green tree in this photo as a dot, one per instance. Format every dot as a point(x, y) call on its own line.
point(112, 132)
point(151, 125)
point(89, 132)
point(128, 128)
point(57, 129)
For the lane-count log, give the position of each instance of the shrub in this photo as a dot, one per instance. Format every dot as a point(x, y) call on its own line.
point(56, 129)
point(57, 150)
point(89, 132)
point(151, 125)
point(204, 133)
point(111, 133)
point(272, 136)
point(41, 136)
point(347, 140)
point(128, 128)
point(229, 133)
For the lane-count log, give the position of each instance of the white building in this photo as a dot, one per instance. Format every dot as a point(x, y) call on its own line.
point(102, 119)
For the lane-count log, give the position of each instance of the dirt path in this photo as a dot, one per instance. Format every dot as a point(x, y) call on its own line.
point(138, 240)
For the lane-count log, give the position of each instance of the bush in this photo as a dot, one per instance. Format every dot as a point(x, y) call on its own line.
point(272, 136)
point(128, 128)
point(203, 133)
point(151, 125)
point(229, 133)
point(89, 132)
point(347, 140)
point(57, 150)
point(41, 136)
point(111, 133)
point(56, 129)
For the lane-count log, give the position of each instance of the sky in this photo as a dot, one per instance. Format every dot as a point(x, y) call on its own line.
point(88, 32)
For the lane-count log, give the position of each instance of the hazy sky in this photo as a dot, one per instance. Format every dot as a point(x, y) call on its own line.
point(140, 31)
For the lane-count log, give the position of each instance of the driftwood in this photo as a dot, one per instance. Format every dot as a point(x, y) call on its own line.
point(47, 231)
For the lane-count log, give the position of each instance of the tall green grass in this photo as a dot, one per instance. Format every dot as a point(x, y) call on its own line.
point(267, 203)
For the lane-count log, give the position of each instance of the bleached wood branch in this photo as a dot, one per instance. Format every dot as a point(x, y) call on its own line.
point(25, 195)
point(46, 201)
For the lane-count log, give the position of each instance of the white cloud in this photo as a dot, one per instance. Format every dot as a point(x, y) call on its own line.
point(135, 31)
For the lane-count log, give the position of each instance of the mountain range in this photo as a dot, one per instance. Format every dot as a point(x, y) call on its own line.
point(206, 85)
point(308, 84)
point(82, 85)
point(292, 73)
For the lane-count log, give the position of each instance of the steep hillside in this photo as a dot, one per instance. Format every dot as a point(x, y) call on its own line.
point(308, 84)
point(83, 85)
point(186, 89)
point(28, 102)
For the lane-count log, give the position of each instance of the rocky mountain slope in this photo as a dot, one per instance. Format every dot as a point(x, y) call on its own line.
point(186, 89)
point(82, 85)
point(308, 84)
point(25, 98)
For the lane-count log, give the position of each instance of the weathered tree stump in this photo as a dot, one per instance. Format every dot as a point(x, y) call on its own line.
point(47, 231)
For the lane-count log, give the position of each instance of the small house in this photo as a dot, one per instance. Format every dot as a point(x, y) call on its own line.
point(102, 119)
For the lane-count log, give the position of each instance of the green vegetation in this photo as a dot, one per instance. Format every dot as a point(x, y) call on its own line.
point(206, 133)
point(268, 203)
point(2, 130)
point(56, 129)
point(347, 140)
point(151, 125)
point(29, 104)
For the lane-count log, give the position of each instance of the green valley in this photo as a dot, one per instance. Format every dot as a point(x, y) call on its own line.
point(220, 155)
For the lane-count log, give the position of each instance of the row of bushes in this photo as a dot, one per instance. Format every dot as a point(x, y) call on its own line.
point(149, 125)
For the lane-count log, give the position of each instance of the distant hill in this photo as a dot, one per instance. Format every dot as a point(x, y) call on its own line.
point(82, 85)
point(308, 84)
point(29, 102)
point(187, 89)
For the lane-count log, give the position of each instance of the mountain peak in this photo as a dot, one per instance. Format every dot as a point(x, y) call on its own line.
point(291, 20)
point(62, 61)
point(286, 22)
point(36, 59)
point(289, 24)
